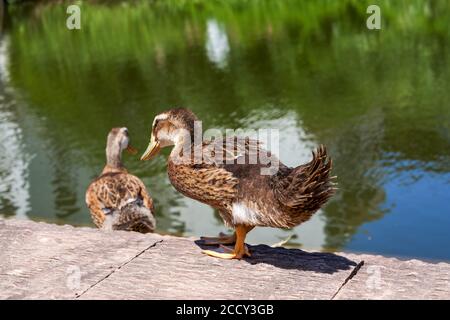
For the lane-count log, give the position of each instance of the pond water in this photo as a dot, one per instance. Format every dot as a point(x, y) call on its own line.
point(379, 100)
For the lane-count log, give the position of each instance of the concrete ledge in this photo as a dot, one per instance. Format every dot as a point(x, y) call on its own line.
point(44, 261)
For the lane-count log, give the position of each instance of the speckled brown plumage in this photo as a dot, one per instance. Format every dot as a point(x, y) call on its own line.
point(118, 200)
point(283, 200)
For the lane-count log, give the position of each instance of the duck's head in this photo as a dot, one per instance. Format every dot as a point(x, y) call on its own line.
point(170, 128)
point(118, 140)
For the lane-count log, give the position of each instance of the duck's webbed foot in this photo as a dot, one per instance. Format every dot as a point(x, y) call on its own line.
point(236, 253)
point(221, 239)
point(240, 249)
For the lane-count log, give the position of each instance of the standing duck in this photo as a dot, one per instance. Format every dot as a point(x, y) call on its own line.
point(116, 199)
point(244, 197)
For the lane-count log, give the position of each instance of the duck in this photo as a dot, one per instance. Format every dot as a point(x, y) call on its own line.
point(118, 200)
point(243, 196)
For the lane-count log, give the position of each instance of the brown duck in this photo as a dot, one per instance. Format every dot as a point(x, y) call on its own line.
point(224, 178)
point(118, 200)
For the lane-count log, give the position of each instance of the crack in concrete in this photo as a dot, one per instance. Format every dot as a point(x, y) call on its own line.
point(350, 276)
point(118, 268)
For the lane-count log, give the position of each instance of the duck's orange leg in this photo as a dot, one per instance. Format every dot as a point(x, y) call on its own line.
point(240, 249)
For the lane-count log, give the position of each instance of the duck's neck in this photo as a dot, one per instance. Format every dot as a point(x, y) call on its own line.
point(114, 158)
point(182, 150)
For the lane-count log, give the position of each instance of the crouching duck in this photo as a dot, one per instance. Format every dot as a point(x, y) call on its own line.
point(116, 199)
point(244, 197)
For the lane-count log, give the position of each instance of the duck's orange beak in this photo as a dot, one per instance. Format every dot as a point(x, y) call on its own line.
point(131, 150)
point(152, 149)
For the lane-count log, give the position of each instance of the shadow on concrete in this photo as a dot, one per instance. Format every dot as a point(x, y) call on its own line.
point(284, 258)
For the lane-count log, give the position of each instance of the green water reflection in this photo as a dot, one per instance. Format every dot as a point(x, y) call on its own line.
point(378, 99)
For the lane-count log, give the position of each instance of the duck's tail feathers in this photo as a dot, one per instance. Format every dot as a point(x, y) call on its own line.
point(307, 187)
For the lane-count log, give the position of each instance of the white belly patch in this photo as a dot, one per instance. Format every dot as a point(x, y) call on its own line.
point(244, 215)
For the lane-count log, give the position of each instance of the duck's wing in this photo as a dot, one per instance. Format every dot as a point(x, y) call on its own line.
point(231, 150)
point(95, 205)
